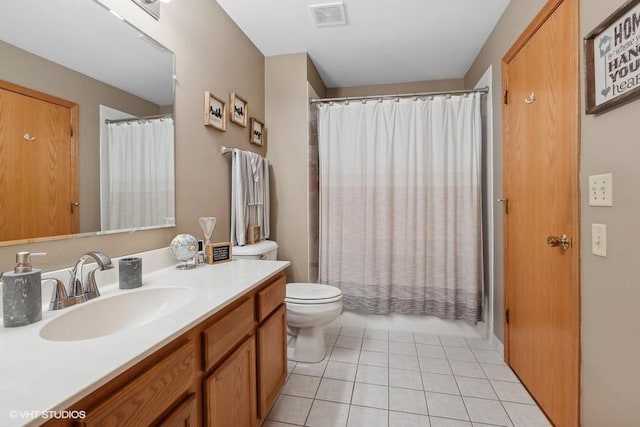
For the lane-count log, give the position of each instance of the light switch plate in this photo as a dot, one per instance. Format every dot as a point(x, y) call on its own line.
point(601, 190)
point(599, 239)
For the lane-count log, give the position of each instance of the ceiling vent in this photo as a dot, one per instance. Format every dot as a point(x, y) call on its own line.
point(328, 14)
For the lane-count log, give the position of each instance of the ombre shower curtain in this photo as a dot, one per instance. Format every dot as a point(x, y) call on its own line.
point(400, 205)
point(140, 179)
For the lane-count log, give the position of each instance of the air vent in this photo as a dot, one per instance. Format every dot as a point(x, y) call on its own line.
point(328, 14)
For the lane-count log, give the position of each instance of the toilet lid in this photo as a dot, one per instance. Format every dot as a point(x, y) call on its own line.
point(314, 293)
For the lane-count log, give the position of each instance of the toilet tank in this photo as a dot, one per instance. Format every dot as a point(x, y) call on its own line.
point(266, 249)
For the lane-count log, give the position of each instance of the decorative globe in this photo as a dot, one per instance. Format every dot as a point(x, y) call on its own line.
point(184, 247)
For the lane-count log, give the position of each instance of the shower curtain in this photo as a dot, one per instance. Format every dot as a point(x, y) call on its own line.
point(400, 205)
point(140, 178)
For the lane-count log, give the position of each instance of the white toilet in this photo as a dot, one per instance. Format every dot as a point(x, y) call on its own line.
point(310, 307)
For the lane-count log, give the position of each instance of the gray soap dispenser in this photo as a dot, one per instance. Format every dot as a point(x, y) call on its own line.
point(22, 293)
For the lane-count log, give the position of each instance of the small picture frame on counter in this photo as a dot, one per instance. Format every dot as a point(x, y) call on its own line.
point(216, 253)
point(239, 110)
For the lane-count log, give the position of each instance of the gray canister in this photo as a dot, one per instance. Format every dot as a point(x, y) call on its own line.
point(130, 273)
point(22, 293)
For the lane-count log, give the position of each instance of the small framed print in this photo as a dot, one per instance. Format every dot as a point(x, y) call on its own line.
point(215, 112)
point(239, 110)
point(253, 234)
point(257, 132)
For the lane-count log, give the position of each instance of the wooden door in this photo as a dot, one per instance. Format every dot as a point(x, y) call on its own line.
point(185, 415)
point(541, 183)
point(272, 359)
point(230, 391)
point(38, 164)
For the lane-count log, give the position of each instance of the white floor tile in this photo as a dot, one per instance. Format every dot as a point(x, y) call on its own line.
point(400, 336)
point(328, 414)
point(405, 379)
point(457, 353)
point(476, 387)
point(330, 339)
point(499, 372)
point(313, 369)
point(453, 341)
point(405, 400)
point(367, 417)
point(352, 331)
point(335, 390)
point(290, 409)
point(402, 419)
point(466, 369)
point(400, 347)
point(512, 392)
point(301, 386)
point(426, 339)
point(377, 334)
point(346, 341)
point(435, 365)
point(488, 356)
point(291, 365)
point(372, 375)
point(429, 350)
point(480, 343)
point(374, 358)
point(270, 423)
point(371, 344)
point(370, 395)
point(346, 355)
point(332, 329)
point(341, 371)
point(403, 361)
point(448, 422)
point(446, 406)
point(526, 415)
point(439, 383)
point(487, 411)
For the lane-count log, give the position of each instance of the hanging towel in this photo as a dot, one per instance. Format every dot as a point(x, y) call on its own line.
point(249, 195)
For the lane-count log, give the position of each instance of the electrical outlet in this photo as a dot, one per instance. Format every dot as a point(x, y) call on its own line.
point(600, 190)
point(599, 239)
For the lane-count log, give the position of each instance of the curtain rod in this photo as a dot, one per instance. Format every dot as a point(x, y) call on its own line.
point(403, 95)
point(133, 119)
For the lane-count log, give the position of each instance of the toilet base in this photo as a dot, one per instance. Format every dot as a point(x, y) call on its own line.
point(307, 345)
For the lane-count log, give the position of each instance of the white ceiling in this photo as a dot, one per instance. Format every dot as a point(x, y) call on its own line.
point(385, 41)
point(84, 36)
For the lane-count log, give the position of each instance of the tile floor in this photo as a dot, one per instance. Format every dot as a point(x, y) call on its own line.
point(374, 377)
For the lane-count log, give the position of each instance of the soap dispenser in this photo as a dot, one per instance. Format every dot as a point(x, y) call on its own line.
point(22, 293)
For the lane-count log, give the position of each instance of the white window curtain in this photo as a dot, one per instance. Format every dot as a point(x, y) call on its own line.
point(400, 205)
point(140, 179)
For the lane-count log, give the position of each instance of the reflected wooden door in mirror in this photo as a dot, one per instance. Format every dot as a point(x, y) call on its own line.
point(38, 164)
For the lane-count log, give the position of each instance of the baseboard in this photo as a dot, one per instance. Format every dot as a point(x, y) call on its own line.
point(498, 346)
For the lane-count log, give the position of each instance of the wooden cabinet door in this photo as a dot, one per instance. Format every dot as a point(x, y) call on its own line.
point(230, 391)
point(272, 359)
point(185, 415)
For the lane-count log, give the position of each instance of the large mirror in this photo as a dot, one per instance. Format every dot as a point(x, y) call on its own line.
point(86, 122)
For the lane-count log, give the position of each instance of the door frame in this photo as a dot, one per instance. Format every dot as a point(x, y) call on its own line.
point(545, 13)
point(73, 108)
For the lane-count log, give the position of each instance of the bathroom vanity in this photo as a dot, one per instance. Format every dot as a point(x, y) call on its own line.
point(218, 359)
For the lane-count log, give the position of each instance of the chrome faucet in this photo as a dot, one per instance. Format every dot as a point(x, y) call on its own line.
point(83, 291)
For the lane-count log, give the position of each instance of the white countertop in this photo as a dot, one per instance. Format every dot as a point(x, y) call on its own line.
point(41, 375)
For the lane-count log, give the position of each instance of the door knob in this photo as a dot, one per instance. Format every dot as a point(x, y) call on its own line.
point(563, 241)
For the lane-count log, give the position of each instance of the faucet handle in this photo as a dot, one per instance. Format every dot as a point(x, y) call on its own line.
point(90, 290)
point(76, 292)
point(59, 297)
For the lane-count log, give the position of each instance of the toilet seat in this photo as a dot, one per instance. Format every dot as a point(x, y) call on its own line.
point(312, 293)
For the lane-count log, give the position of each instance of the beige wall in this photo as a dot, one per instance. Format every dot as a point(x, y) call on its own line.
point(211, 54)
point(397, 88)
point(286, 104)
point(512, 23)
point(34, 72)
point(610, 286)
point(315, 80)
point(610, 290)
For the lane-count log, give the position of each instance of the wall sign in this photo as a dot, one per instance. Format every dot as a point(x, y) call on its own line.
point(612, 52)
point(218, 252)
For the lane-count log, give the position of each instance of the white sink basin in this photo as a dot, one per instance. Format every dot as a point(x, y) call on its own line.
point(109, 315)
